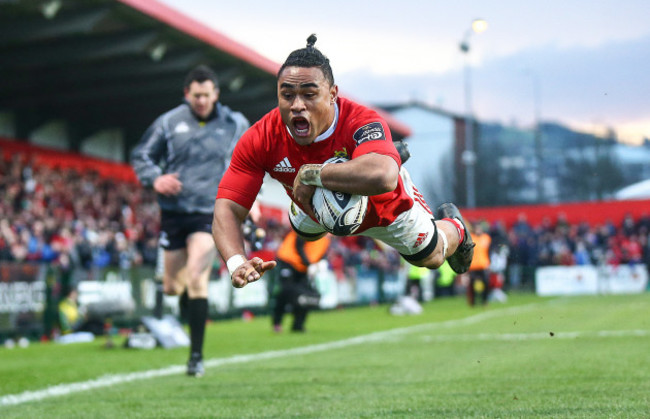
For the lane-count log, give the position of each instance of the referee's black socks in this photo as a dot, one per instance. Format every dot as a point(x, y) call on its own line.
point(197, 317)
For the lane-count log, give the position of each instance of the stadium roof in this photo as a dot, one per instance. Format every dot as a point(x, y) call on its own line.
point(100, 64)
point(638, 190)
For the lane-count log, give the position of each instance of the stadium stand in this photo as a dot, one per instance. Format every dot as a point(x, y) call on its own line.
point(67, 209)
point(58, 203)
point(117, 65)
point(79, 224)
point(85, 78)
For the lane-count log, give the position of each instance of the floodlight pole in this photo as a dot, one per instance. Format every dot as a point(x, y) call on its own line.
point(538, 137)
point(469, 155)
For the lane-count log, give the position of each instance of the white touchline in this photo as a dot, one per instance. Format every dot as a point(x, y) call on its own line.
point(116, 379)
point(535, 336)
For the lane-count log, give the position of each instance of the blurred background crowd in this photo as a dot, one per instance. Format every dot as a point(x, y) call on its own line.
point(73, 219)
point(84, 221)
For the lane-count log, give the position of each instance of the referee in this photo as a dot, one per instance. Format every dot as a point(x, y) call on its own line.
point(183, 156)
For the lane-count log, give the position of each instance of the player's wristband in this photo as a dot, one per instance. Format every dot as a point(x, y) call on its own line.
point(235, 262)
point(310, 174)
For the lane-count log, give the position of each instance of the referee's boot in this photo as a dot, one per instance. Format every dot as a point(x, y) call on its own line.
point(462, 257)
point(195, 365)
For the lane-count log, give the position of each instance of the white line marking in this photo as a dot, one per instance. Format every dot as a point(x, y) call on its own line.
point(535, 336)
point(116, 379)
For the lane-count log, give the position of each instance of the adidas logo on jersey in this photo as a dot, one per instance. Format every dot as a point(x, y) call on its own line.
point(284, 166)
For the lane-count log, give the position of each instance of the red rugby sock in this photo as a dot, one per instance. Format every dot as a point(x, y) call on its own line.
point(459, 227)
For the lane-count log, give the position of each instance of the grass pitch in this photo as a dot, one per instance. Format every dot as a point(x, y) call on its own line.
point(531, 357)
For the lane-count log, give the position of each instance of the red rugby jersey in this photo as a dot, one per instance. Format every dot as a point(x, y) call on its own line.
point(267, 147)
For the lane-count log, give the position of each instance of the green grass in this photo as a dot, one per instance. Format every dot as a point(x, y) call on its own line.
point(532, 357)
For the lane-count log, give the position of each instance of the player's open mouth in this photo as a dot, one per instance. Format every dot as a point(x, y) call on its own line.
point(300, 126)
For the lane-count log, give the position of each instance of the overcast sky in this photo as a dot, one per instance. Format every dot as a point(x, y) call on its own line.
point(591, 58)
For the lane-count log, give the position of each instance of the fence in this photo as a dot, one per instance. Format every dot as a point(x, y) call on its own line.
point(30, 293)
point(591, 280)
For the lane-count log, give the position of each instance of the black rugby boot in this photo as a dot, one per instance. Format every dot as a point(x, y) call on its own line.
point(195, 365)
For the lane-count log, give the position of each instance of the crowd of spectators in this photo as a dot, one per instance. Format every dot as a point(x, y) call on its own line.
point(72, 219)
point(83, 220)
point(559, 243)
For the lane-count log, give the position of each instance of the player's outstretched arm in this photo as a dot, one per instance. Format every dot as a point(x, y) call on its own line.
point(227, 234)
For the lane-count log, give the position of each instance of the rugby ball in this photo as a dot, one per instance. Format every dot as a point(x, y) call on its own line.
point(339, 213)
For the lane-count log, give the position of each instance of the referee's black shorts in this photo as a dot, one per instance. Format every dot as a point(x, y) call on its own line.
point(175, 227)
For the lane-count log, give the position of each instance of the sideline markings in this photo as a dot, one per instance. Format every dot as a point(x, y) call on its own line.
point(535, 336)
point(116, 379)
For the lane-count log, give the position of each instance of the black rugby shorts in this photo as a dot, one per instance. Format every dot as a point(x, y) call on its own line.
point(175, 227)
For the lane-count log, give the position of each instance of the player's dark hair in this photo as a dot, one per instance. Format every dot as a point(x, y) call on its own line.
point(200, 74)
point(309, 57)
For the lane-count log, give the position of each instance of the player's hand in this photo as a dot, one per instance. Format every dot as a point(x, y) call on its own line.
point(309, 174)
point(168, 184)
point(303, 186)
point(250, 271)
point(302, 194)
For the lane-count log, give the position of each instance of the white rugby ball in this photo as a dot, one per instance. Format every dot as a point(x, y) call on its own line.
point(339, 213)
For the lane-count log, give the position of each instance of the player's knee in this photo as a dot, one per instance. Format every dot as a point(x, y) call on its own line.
point(433, 261)
point(197, 281)
point(196, 287)
point(436, 260)
point(171, 289)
